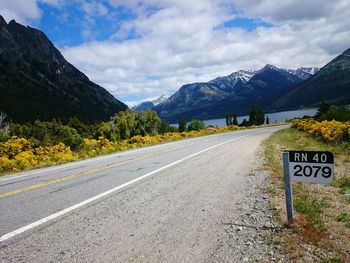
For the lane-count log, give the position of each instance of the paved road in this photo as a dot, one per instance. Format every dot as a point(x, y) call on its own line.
point(160, 203)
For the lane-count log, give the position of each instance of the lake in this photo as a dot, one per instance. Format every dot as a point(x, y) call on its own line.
point(274, 117)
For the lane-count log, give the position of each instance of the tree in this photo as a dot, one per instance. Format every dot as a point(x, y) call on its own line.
point(165, 127)
point(147, 122)
point(228, 119)
point(196, 125)
point(267, 120)
point(75, 123)
point(182, 124)
point(231, 119)
point(107, 130)
point(244, 123)
point(4, 127)
point(323, 109)
point(124, 124)
point(336, 113)
point(256, 116)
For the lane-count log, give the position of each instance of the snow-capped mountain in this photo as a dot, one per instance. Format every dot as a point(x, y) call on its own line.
point(230, 82)
point(331, 82)
point(195, 95)
point(303, 72)
point(236, 91)
point(161, 99)
point(149, 104)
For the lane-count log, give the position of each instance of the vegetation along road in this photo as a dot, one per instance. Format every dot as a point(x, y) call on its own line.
point(161, 203)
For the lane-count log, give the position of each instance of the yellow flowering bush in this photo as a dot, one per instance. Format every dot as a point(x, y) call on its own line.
point(144, 140)
point(330, 131)
point(6, 164)
point(25, 160)
point(92, 147)
point(14, 146)
point(18, 154)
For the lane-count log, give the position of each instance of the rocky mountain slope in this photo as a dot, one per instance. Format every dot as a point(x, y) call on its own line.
point(191, 98)
point(147, 105)
point(236, 92)
point(36, 82)
point(332, 83)
point(303, 73)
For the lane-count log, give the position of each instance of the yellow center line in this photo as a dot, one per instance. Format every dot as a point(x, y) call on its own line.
point(69, 177)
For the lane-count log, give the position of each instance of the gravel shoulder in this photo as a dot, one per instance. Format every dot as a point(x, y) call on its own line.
point(211, 208)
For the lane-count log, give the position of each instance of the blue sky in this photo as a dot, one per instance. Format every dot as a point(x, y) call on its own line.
point(138, 49)
point(67, 25)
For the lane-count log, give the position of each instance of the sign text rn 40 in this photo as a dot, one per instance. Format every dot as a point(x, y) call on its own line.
point(311, 166)
point(308, 167)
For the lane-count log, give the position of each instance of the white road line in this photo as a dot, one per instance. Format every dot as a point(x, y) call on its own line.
point(99, 196)
point(94, 159)
point(63, 166)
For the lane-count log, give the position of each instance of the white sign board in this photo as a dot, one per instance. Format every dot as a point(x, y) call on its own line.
point(311, 167)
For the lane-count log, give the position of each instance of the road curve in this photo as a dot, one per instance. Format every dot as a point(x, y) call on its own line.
point(155, 204)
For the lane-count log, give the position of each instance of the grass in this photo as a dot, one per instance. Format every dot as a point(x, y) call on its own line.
point(343, 217)
point(322, 225)
point(332, 260)
point(312, 208)
point(343, 183)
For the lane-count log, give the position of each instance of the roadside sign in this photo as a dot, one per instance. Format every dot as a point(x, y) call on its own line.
point(308, 167)
point(311, 166)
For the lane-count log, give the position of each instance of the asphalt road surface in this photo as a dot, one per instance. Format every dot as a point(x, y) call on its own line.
point(163, 203)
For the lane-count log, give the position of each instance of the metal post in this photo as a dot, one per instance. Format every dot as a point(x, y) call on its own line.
point(288, 188)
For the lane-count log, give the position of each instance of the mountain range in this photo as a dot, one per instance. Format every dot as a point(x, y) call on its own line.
point(235, 92)
point(270, 88)
point(147, 105)
point(36, 82)
point(332, 83)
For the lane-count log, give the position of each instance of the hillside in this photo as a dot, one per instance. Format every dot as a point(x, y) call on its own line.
point(332, 83)
point(147, 105)
point(190, 99)
point(226, 94)
point(262, 90)
point(36, 82)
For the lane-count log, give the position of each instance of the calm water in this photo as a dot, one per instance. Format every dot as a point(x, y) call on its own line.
point(274, 117)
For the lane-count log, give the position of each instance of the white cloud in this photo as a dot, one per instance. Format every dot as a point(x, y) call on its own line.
point(95, 8)
point(292, 10)
point(21, 10)
point(178, 43)
point(132, 103)
point(181, 41)
point(25, 11)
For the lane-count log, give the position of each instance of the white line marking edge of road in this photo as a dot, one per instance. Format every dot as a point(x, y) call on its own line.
point(99, 196)
point(82, 162)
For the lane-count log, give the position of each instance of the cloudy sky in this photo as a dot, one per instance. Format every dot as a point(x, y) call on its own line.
point(140, 49)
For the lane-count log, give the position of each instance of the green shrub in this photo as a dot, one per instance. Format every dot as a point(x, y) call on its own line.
point(196, 125)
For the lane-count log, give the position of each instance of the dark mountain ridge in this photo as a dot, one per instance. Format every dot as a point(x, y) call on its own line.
point(193, 99)
point(261, 88)
point(331, 83)
point(271, 88)
point(36, 82)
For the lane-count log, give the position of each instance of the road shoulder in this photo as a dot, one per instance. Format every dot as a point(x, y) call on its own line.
point(252, 230)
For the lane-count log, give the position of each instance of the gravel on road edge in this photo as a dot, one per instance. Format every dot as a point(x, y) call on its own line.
point(252, 230)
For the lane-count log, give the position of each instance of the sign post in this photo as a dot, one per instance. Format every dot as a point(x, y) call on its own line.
point(307, 167)
point(288, 188)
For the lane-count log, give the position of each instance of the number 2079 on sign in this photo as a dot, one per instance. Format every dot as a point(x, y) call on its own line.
point(311, 166)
